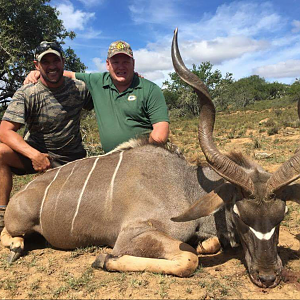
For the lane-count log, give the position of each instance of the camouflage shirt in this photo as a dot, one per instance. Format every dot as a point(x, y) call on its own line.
point(51, 116)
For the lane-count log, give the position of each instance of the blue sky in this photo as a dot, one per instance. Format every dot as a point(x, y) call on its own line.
point(241, 37)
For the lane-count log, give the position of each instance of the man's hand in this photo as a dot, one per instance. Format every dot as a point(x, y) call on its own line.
point(32, 77)
point(41, 162)
point(139, 75)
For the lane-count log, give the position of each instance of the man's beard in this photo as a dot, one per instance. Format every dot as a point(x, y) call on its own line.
point(47, 79)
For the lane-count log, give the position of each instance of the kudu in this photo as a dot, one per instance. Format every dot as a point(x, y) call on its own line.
point(126, 200)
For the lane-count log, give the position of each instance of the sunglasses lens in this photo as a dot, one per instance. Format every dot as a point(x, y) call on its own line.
point(47, 45)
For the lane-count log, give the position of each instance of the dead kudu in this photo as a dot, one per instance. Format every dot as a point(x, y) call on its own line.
point(126, 200)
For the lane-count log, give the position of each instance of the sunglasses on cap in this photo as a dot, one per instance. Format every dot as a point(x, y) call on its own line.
point(44, 46)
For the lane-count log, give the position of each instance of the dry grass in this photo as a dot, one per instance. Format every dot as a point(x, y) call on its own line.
point(46, 273)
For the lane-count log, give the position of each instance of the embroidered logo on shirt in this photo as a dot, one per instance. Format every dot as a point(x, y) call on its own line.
point(131, 98)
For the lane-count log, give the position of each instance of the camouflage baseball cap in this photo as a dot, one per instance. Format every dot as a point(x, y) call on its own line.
point(119, 47)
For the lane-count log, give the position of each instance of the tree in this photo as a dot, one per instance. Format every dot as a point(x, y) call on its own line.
point(294, 90)
point(23, 25)
point(72, 62)
point(277, 90)
point(181, 96)
point(223, 92)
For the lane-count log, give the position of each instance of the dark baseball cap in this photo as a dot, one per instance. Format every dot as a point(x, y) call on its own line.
point(47, 47)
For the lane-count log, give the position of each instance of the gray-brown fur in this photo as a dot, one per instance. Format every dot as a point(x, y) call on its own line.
point(150, 186)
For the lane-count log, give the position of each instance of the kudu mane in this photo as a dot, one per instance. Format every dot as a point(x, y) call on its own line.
point(240, 159)
point(132, 144)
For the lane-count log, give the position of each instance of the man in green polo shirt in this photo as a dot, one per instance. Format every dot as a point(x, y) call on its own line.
point(126, 105)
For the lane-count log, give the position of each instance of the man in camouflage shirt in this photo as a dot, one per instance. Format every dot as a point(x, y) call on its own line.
point(50, 110)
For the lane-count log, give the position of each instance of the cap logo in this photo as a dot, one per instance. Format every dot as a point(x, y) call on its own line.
point(120, 46)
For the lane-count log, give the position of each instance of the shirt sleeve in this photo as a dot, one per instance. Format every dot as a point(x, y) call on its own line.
point(88, 100)
point(88, 104)
point(16, 110)
point(85, 77)
point(156, 106)
point(88, 79)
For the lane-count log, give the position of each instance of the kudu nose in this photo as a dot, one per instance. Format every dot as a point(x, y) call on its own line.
point(267, 280)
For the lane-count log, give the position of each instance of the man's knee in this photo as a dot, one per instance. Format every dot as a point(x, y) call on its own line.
point(4, 153)
point(9, 158)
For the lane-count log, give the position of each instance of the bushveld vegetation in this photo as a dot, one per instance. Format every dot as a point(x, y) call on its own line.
point(253, 116)
point(266, 130)
point(227, 93)
point(262, 126)
point(71, 275)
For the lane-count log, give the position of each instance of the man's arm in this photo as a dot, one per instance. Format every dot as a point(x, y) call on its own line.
point(34, 76)
point(160, 133)
point(69, 74)
point(10, 137)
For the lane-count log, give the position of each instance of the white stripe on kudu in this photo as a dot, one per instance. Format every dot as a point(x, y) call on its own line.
point(259, 235)
point(263, 236)
point(61, 188)
point(82, 191)
point(45, 194)
point(28, 184)
point(110, 191)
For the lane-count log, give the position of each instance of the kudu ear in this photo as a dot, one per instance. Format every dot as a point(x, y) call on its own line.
point(208, 204)
point(291, 193)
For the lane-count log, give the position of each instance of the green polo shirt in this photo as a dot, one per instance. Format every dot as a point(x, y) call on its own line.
point(126, 115)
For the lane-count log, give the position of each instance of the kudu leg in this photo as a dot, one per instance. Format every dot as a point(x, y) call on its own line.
point(16, 245)
point(153, 252)
point(210, 246)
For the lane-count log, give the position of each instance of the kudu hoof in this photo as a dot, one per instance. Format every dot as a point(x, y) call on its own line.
point(15, 253)
point(209, 246)
point(100, 261)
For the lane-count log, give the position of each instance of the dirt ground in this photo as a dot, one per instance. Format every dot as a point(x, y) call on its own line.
point(47, 273)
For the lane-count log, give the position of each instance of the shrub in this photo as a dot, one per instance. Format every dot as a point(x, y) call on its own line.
point(272, 131)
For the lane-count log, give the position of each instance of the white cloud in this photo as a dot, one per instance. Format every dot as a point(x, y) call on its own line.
point(100, 64)
point(231, 33)
point(296, 26)
point(73, 18)
point(217, 51)
point(284, 69)
point(90, 33)
point(149, 61)
point(236, 18)
point(220, 49)
point(241, 37)
point(155, 76)
point(90, 3)
point(153, 11)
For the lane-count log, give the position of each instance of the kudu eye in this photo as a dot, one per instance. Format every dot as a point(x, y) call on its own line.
point(251, 196)
point(271, 196)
